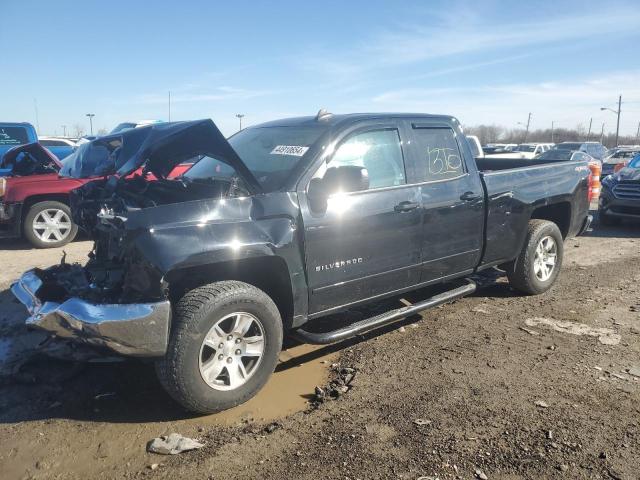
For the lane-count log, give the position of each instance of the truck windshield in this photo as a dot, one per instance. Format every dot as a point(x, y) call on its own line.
point(10, 136)
point(270, 153)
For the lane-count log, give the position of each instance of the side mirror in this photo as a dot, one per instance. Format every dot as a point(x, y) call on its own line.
point(348, 178)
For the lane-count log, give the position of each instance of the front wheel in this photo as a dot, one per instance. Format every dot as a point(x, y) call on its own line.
point(48, 224)
point(537, 267)
point(223, 348)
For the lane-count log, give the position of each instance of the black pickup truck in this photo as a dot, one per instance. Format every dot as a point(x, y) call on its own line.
point(282, 224)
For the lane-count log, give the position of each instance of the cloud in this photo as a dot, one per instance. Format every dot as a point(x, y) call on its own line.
point(567, 103)
point(460, 31)
point(184, 95)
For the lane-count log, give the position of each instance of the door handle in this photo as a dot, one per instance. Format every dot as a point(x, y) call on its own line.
point(406, 206)
point(469, 197)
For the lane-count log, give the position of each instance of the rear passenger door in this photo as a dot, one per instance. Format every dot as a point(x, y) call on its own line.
point(452, 200)
point(365, 243)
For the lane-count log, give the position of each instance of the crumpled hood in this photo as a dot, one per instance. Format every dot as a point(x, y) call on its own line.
point(29, 159)
point(158, 148)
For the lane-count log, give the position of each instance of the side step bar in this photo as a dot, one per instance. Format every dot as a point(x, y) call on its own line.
point(383, 319)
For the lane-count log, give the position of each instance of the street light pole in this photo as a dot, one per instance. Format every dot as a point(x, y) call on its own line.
point(602, 133)
point(638, 132)
point(617, 112)
point(526, 133)
point(91, 115)
point(552, 132)
point(239, 117)
point(589, 133)
point(64, 130)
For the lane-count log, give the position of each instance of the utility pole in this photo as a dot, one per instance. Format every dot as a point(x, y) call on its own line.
point(239, 117)
point(169, 105)
point(552, 140)
point(91, 115)
point(589, 133)
point(35, 106)
point(64, 130)
point(526, 133)
point(618, 125)
point(617, 112)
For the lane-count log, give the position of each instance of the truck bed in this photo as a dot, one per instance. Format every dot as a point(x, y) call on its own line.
point(519, 189)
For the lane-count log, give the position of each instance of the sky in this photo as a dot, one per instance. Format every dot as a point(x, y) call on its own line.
point(485, 62)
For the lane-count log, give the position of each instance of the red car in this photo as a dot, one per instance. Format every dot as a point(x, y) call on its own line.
point(34, 199)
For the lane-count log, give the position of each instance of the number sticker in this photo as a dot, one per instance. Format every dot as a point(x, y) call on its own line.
point(293, 150)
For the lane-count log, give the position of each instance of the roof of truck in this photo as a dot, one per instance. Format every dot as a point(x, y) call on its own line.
point(331, 119)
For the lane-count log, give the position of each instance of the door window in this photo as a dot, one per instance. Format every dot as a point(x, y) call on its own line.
point(438, 154)
point(379, 151)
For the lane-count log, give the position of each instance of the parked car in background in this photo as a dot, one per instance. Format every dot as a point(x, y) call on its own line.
point(620, 196)
point(525, 150)
point(61, 147)
point(595, 149)
point(14, 134)
point(475, 145)
point(565, 156)
point(620, 157)
point(491, 149)
point(34, 199)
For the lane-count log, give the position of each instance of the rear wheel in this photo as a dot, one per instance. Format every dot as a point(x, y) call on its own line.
point(538, 265)
point(48, 225)
point(224, 346)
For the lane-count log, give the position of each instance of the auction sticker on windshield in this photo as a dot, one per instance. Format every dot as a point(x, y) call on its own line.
point(293, 150)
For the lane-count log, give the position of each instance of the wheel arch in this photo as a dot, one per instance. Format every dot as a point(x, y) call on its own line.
point(31, 200)
point(268, 273)
point(558, 213)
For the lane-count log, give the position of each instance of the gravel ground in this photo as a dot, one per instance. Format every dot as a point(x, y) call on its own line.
point(495, 385)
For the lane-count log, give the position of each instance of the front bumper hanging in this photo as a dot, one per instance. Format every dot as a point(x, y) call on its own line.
point(137, 329)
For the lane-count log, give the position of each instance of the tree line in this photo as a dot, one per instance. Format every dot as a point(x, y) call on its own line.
point(498, 134)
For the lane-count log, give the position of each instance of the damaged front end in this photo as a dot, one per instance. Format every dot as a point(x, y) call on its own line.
point(119, 299)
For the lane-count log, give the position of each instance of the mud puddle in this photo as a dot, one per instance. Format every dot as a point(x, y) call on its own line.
point(287, 392)
point(98, 439)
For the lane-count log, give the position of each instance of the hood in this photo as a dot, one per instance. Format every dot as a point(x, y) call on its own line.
point(157, 148)
point(29, 159)
point(628, 175)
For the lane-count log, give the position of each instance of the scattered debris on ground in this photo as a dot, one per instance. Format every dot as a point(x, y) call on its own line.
point(173, 444)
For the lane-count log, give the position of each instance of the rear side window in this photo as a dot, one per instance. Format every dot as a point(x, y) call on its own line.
point(13, 136)
point(439, 157)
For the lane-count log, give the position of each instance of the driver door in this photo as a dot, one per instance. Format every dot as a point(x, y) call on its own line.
point(366, 243)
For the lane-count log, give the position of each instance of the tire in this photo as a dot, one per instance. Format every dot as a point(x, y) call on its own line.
point(526, 273)
point(607, 220)
point(49, 213)
point(183, 369)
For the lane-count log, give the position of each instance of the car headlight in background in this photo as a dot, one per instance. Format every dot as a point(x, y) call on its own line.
point(3, 185)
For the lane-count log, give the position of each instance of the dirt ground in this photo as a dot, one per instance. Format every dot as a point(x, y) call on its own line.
point(496, 386)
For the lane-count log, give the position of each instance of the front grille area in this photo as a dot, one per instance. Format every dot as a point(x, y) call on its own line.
point(627, 191)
